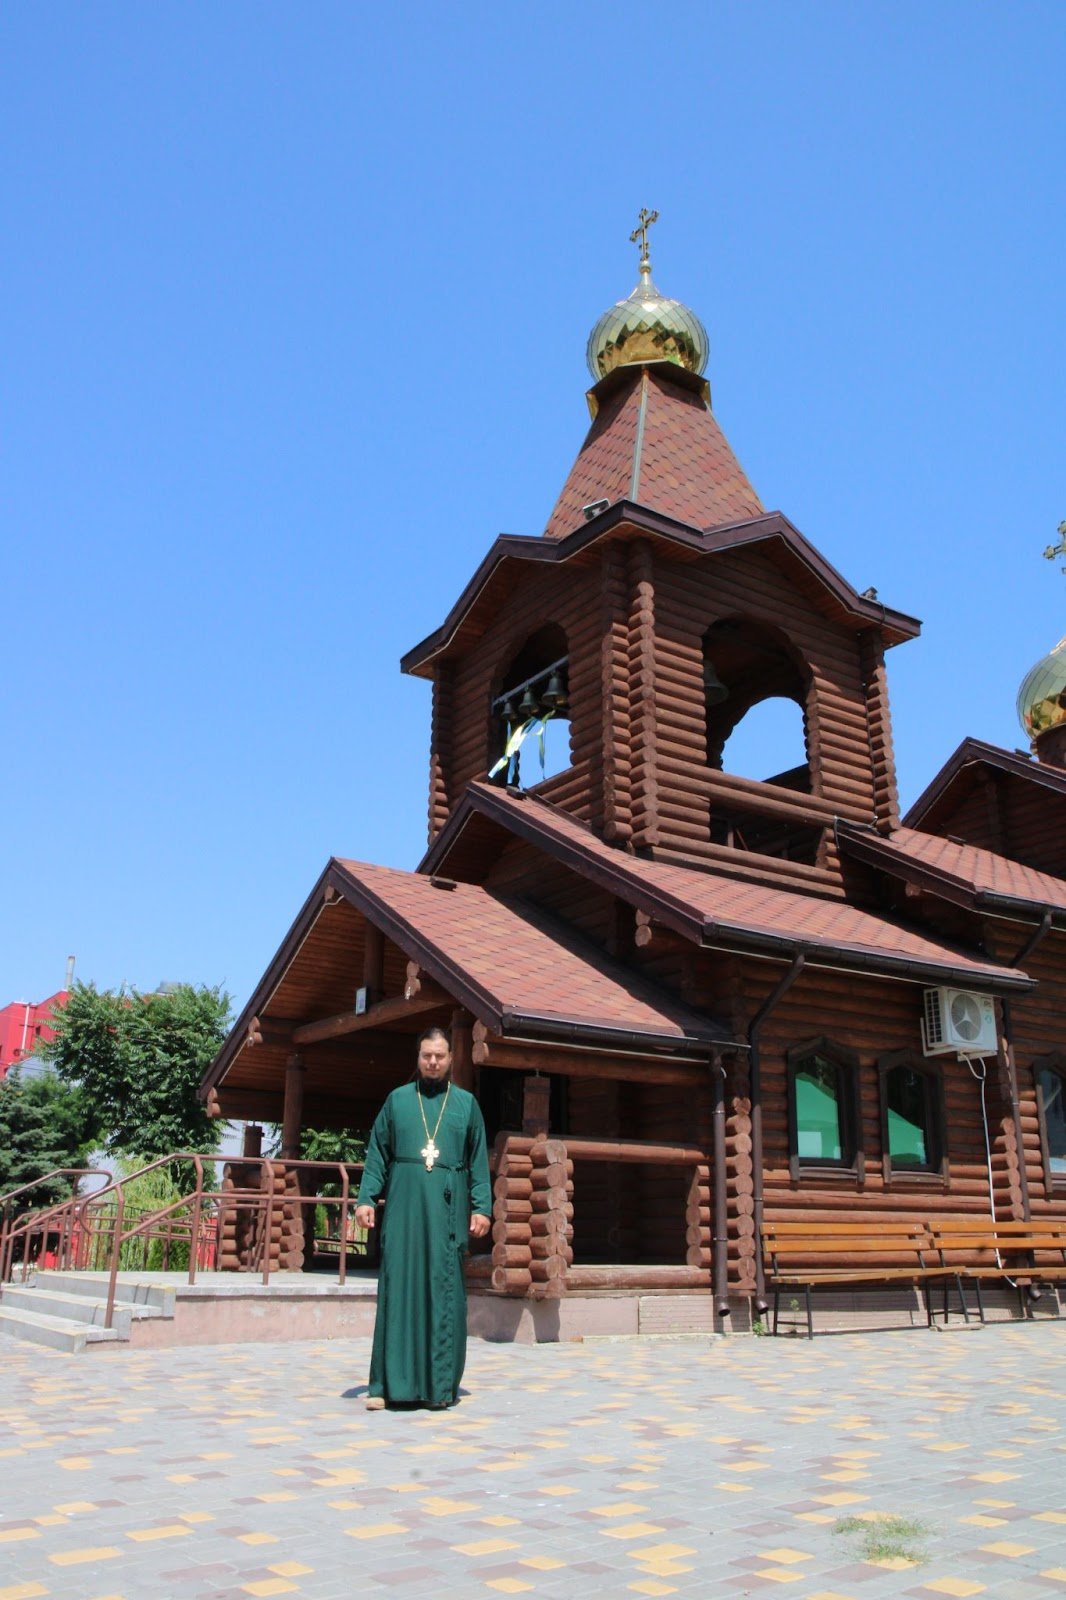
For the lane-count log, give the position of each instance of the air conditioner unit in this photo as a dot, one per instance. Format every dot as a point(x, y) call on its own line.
point(958, 1022)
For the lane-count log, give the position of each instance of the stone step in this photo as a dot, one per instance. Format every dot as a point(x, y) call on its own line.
point(131, 1290)
point(58, 1333)
point(75, 1307)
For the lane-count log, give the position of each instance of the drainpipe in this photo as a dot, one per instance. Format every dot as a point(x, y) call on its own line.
point(1008, 1055)
point(799, 961)
point(719, 1217)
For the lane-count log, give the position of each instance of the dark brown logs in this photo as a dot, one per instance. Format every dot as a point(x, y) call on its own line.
point(510, 1280)
point(512, 1189)
point(635, 1150)
point(579, 1278)
point(585, 1063)
point(511, 1255)
point(424, 996)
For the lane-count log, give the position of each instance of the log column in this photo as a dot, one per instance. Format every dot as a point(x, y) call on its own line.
point(617, 767)
point(292, 1115)
point(374, 964)
point(551, 1198)
point(462, 1049)
point(441, 738)
point(720, 1245)
point(882, 758)
point(645, 785)
point(511, 1211)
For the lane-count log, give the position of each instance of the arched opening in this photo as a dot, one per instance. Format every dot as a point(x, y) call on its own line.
point(752, 676)
point(770, 744)
point(529, 733)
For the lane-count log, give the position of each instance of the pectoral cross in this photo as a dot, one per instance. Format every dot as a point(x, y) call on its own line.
point(640, 232)
point(1059, 549)
point(429, 1153)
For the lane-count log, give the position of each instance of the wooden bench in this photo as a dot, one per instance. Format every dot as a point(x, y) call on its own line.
point(1001, 1252)
point(837, 1255)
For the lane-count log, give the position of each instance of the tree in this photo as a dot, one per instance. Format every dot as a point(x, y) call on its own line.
point(44, 1123)
point(140, 1059)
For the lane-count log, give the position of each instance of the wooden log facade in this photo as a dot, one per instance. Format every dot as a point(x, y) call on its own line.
point(662, 973)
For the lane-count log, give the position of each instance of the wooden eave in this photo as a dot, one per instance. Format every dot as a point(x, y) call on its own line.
point(625, 519)
point(962, 766)
point(531, 822)
point(863, 844)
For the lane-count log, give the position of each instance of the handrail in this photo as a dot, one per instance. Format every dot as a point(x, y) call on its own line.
point(79, 1219)
point(56, 1172)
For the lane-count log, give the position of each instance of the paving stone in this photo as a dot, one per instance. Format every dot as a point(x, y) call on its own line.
point(699, 1468)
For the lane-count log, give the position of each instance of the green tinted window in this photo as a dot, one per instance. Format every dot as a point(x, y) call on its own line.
point(908, 1118)
point(819, 1135)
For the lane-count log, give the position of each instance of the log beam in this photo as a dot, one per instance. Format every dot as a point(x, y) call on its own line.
point(395, 1009)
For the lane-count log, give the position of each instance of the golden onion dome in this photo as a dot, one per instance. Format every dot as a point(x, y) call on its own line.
point(647, 325)
point(1042, 696)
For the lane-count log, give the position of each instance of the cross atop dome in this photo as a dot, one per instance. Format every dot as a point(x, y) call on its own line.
point(640, 232)
point(647, 326)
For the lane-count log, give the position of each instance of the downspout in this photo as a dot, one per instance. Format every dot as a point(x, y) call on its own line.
point(1008, 1055)
point(719, 1235)
point(755, 1028)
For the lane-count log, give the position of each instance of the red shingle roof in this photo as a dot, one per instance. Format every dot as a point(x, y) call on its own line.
point(730, 913)
point(509, 959)
point(655, 442)
point(963, 871)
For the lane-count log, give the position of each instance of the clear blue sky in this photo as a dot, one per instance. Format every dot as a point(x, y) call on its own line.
point(295, 306)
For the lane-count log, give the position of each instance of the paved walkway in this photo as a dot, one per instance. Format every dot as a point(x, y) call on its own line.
point(689, 1468)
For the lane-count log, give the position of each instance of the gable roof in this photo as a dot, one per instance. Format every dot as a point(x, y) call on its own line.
point(655, 441)
point(961, 766)
point(515, 968)
point(963, 873)
point(725, 913)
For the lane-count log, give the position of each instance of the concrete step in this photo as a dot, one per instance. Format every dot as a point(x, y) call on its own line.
point(74, 1307)
point(131, 1290)
point(58, 1333)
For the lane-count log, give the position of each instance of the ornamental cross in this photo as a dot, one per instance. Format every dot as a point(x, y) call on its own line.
point(640, 232)
point(429, 1153)
point(1059, 549)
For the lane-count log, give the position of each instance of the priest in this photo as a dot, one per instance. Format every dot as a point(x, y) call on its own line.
point(427, 1161)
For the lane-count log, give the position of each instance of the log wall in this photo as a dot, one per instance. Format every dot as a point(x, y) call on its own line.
point(635, 617)
point(871, 1019)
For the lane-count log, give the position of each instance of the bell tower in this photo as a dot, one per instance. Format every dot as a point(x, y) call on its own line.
point(659, 608)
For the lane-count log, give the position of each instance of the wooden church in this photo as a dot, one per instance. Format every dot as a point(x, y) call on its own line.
point(693, 1004)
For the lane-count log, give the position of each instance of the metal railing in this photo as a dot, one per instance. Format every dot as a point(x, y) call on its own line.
point(94, 1232)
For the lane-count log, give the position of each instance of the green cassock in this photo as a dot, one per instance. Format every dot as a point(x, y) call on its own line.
point(420, 1332)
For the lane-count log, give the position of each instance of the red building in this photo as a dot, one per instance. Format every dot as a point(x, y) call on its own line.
point(25, 1024)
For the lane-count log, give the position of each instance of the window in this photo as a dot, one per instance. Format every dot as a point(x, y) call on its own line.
point(823, 1108)
point(912, 1115)
point(529, 737)
point(1050, 1076)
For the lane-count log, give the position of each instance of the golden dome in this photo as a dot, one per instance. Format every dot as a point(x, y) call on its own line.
point(1042, 696)
point(647, 325)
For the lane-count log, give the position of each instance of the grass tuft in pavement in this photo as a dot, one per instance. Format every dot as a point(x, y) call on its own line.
point(887, 1538)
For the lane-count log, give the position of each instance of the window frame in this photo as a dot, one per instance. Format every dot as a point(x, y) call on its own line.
point(1055, 1061)
point(931, 1073)
point(852, 1163)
